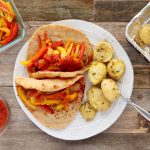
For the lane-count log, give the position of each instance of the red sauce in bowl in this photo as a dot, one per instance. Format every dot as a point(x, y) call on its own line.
point(3, 114)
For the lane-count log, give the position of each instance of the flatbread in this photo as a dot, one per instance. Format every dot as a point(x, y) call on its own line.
point(46, 85)
point(57, 33)
point(60, 119)
point(53, 74)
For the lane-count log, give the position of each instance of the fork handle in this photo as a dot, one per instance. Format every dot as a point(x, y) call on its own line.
point(143, 112)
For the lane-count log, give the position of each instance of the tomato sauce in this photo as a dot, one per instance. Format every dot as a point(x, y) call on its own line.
point(3, 114)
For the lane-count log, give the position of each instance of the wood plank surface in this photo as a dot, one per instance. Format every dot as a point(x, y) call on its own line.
point(126, 133)
point(93, 10)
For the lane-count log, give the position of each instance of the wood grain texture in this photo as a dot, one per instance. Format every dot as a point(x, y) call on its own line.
point(117, 10)
point(55, 9)
point(93, 10)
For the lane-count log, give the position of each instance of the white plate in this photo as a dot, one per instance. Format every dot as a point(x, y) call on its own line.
point(79, 128)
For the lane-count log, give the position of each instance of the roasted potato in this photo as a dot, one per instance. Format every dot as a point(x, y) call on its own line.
point(97, 72)
point(110, 89)
point(103, 52)
point(139, 41)
point(144, 33)
point(87, 111)
point(116, 68)
point(97, 99)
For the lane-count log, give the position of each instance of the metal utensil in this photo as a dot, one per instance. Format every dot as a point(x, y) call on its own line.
point(143, 112)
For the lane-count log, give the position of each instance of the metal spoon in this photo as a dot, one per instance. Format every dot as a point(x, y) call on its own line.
point(143, 112)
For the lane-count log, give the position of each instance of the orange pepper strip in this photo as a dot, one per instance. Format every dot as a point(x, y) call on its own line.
point(38, 55)
point(68, 43)
point(10, 8)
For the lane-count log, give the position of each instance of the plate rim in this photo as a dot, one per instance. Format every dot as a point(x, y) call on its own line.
point(42, 127)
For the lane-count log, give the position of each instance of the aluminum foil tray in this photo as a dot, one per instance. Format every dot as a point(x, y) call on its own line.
point(143, 17)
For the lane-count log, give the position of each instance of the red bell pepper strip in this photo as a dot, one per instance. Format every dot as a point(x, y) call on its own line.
point(55, 44)
point(37, 56)
point(45, 36)
point(73, 50)
point(46, 108)
point(12, 36)
point(82, 50)
point(39, 42)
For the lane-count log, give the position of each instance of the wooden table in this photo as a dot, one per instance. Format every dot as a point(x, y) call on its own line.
point(129, 132)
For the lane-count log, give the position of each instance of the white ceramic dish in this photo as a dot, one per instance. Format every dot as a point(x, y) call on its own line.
point(79, 128)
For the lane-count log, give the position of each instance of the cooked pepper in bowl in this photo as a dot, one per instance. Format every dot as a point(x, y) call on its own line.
point(8, 23)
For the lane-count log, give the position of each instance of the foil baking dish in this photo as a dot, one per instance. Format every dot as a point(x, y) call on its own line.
point(143, 17)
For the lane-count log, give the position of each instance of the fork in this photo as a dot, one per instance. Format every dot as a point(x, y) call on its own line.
point(142, 111)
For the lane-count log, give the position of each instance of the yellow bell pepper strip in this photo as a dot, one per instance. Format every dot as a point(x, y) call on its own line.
point(25, 62)
point(10, 8)
point(82, 50)
point(56, 52)
point(46, 102)
point(69, 49)
point(68, 43)
point(6, 30)
point(59, 107)
point(22, 95)
point(76, 51)
point(62, 51)
point(3, 22)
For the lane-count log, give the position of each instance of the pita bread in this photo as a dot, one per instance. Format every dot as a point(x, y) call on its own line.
point(60, 119)
point(46, 85)
point(57, 33)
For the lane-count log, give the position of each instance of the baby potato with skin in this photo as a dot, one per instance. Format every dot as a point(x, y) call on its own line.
point(110, 89)
point(87, 111)
point(97, 72)
point(97, 99)
point(103, 52)
point(116, 68)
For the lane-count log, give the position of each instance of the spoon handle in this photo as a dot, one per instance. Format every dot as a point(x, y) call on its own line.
point(143, 112)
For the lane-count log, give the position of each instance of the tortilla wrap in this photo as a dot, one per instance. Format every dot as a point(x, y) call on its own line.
point(46, 85)
point(53, 74)
point(60, 119)
point(57, 33)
